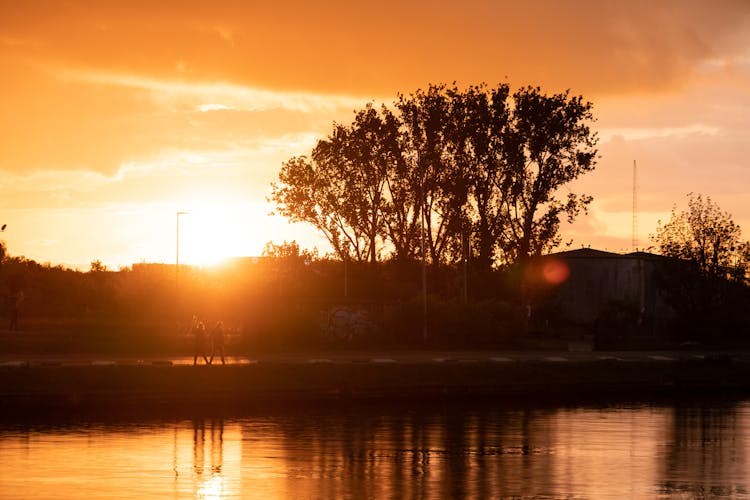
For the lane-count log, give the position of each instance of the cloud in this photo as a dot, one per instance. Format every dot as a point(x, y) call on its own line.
point(93, 85)
point(631, 134)
point(212, 107)
point(242, 171)
point(177, 92)
point(363, 49)
point(98, 122)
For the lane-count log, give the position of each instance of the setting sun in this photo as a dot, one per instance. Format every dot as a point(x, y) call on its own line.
point(208, 235)
point(213, 231)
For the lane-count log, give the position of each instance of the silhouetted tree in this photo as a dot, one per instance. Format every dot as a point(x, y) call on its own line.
point(705, 275)
point(314, 191)
point(480, 121)
point(98, 267)
point(360, 155)
point(289, 251)
point(547, 145)
point(463, 161)
point(705, 237)
point(403, 204)
point(441, 187)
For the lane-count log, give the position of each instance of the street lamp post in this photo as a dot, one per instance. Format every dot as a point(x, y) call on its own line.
point(2, 248)
point(177, 239)
point(177, 254)
point(422, 223)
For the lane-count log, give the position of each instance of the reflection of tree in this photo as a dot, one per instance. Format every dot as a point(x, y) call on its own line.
point(705, 454)
point(435, 452)
point(442, 450)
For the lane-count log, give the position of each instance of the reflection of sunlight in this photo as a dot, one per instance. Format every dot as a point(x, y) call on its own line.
point(214, 460)
point(213, 488)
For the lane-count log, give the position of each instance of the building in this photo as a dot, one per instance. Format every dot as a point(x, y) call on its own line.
point(612, 296)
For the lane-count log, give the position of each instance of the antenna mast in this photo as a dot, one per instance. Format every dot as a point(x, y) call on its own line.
point(635, 207)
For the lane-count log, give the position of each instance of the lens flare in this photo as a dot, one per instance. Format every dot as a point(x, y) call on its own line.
point(555, 272)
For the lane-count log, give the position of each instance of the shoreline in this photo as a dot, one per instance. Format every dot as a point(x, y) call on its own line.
point(86, 385)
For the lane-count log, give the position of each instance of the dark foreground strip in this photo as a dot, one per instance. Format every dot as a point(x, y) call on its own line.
point(39, 388)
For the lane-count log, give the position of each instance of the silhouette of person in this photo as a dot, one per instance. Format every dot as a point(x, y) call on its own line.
point(15, 305)
point(217, 341)
point(199, 332)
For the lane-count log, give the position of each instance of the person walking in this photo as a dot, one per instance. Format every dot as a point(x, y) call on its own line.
point(199, 332)
point(217, 342)
point(15, 305)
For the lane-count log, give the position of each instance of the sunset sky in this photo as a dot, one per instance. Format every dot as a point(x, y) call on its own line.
point(114, 116)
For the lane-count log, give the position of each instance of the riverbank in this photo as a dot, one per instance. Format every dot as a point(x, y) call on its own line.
point(45, 384)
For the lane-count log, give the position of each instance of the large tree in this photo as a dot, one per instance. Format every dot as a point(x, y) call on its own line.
point(478, 129)
point(360, 156)
point(402, 209)
point(343, 188)
point(314, 192)
point(476, 164)
point(440, 185)
point(547, 145)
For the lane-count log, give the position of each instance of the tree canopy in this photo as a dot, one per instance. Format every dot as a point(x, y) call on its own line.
point(705, 237)
point(444, 171)
point(704, 277)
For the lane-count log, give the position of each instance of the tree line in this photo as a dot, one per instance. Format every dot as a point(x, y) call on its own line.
point(445, 172)
point(441, 174)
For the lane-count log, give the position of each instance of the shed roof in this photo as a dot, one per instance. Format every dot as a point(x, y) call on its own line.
point(592, 253)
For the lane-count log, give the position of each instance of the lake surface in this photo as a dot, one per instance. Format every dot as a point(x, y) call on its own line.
point(446, 450)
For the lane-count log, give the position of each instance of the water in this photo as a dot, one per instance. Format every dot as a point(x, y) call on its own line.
point(421, 451)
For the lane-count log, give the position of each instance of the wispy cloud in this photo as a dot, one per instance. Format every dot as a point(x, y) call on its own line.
point(203, 108)
point(212, 96)
point(637, 134)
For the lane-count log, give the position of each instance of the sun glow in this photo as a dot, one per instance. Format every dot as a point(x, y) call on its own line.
point(212, 231)
point(210, 234)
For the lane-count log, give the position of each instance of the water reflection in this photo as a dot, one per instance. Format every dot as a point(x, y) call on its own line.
point(705, 453)
point(443, 451)
point(210, 486)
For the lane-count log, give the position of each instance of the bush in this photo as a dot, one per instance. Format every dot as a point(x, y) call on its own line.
point(453, 324)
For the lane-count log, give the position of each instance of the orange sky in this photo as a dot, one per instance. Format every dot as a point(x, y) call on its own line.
point(115, 115)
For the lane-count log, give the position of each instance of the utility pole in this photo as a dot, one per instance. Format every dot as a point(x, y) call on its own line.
point(641, 277)
point(422, 221)
point(635, 207)
point(177, 257)
point(2, 249)
point(346, 278)
point(465, 249)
